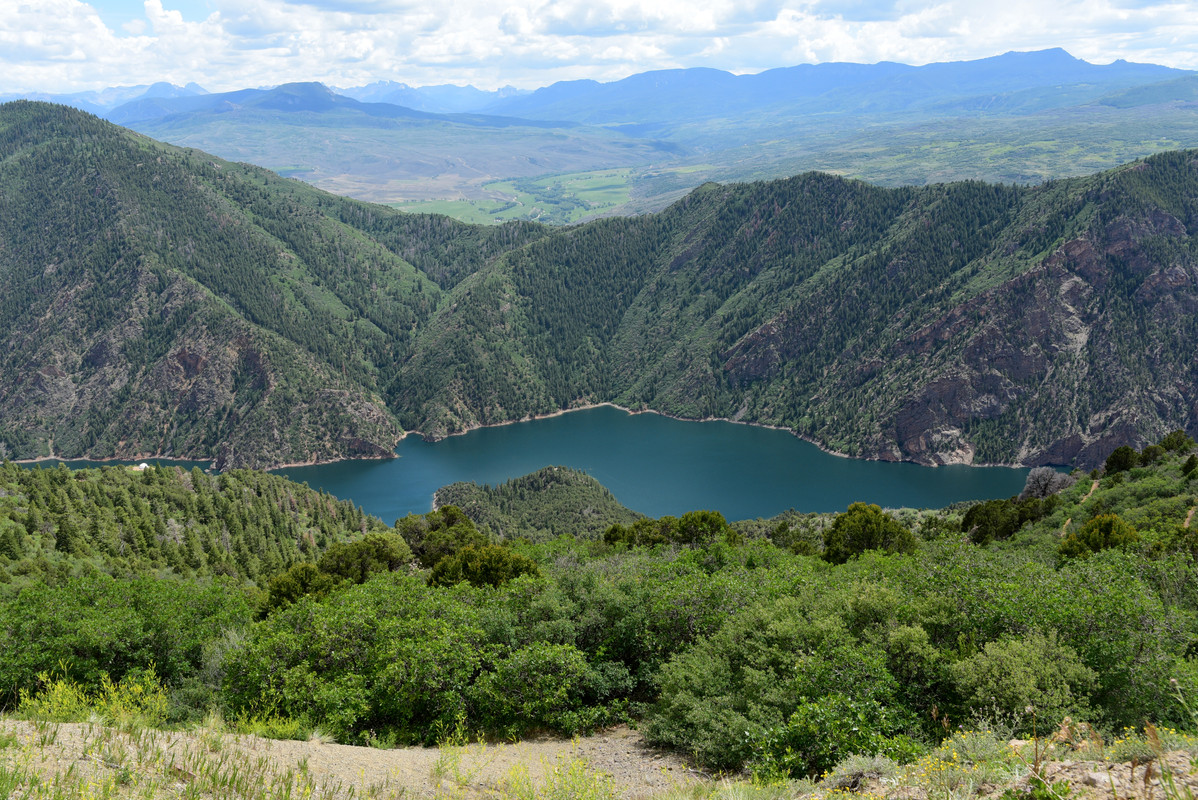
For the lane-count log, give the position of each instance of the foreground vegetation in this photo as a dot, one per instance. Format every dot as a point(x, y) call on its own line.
point(120, 757)
point(782, 646)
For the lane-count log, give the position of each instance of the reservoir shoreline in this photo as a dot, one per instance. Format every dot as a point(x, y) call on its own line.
point(749, 423)
point(211, 462)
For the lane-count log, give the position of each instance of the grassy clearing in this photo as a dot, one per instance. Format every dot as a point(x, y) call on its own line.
point(557, 199)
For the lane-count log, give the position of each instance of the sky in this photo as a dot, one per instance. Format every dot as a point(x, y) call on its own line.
point(60, 46)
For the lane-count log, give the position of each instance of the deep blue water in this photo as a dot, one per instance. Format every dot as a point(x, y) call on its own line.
point(656, 465)
point(652, 464)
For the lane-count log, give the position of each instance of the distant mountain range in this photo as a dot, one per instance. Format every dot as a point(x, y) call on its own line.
point(312, 98)
point(581, 149)
point(161, 301)
point(442, 99)
point(1010, 83)
point(103, 100)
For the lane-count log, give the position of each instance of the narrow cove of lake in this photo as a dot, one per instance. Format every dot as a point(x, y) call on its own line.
point(655, 465)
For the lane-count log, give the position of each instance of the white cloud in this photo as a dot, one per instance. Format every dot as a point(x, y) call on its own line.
point(63, 45)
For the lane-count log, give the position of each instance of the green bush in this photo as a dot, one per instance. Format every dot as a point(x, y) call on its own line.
point(825, 731)
point(539, 686)
point(993, 520)
point(134, 700)
point(1177, 442)
point(865, 527)
point(1122, 458)
point(693, 529)
point(427, 667)
point(488, 565)
point(1102, 532)
point(1151, 454)
point(439, 534)
point(1037, 671)
point(96, 625)
point(301, 579)
point(723, 695)
point(356, 561)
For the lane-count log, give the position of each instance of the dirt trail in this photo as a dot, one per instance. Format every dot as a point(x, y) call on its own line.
point(1093, 486)
point(636, 770)
point(1189, 517)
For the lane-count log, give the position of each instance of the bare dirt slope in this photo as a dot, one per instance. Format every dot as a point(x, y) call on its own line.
point(203, 761)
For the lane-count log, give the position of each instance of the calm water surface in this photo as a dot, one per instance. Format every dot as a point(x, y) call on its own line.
point(655, 465)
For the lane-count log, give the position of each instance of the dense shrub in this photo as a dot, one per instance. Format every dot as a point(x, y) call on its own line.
point(1151, 454)
point(358, 560)
point(824, 731)
point(301, 579)
point(1177, 442)
point(95, 626)
point(865, 527)
point(694, 529)
point(1103, 531)
point(997, 520)
point(993, 520)
point(1122, 458)
point(1035, 671)
point(728, 691)
point(541, 686)
point(488, 565)
point(439, 534)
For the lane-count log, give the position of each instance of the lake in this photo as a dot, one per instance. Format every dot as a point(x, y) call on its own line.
point(655, 465)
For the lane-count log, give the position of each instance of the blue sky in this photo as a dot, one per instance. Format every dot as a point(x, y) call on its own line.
point(72, 45)
point(118, 13)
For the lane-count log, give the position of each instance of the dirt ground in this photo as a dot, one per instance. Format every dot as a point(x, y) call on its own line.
point(1104, 781)
point(636, 770)
point(176, 762)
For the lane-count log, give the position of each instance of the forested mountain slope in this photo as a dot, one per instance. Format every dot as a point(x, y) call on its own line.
point(157, 300)
point(242, 524)
point(959, 322)
point(160, 301)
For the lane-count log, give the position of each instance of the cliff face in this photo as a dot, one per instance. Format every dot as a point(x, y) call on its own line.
point(1089, 346)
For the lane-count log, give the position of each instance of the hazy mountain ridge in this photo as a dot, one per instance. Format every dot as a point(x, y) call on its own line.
point(440, 99)
point(102, 100)
point(314, 98)
point(577, 150)
point(683, 95)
